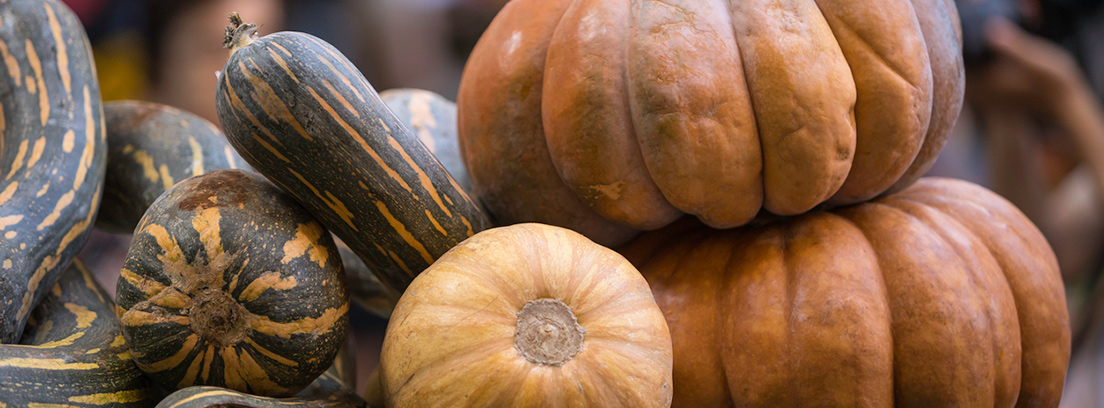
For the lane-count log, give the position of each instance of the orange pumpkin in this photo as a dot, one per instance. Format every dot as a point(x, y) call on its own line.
point(609, 116)
point(941, 295)
point(527, 315)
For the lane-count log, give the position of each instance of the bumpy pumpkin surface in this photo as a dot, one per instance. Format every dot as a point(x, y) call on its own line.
point(527, 315)
point(607, 116)
point(229, 282)
point(150, 147)
point(72, 352)
point(52, 152)
point(301, 114)
point(941, 295)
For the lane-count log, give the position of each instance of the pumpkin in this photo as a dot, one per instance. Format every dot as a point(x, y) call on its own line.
point(149, 148)
point(941, 295)
point(72, 352)
point(52, 152)
point(610, 116)
point(229, 282)
point(433, 118)
point(527, 315)
point(299, 112)
point(331, 390)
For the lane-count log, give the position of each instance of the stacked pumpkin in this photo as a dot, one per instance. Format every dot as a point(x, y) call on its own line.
point(779, 120)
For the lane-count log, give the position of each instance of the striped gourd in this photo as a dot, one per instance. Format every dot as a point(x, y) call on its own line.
point(301, 114)
point(433, 118)
point(229, 282)
point(365, 287)
point(72, 353)
point(150, 147)
point(328, 391)
point(52, 151)
point(333, 389)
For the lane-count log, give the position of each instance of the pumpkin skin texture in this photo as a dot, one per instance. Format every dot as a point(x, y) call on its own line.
point(229, 282)
point(52, 152)
point(607, 115)
point(299, 112)
point(73, 351)
point(527, 315)
point(943, 294)
point(433, 118)
point(150, 147)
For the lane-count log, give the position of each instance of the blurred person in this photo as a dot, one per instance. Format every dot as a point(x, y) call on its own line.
point(184, 44)
point(1043, 136)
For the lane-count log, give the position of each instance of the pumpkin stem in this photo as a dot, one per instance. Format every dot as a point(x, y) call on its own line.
point(548, 333)
point(238, 33)
point(218, 318)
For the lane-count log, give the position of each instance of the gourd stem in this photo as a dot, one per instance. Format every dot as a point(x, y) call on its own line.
point(548, 333)
point(238, 33)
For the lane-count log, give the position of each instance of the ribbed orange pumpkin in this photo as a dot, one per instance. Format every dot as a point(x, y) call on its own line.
point(942, 295)
point(606, 116)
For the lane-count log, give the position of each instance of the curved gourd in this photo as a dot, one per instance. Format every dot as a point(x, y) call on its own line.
point(52, 151)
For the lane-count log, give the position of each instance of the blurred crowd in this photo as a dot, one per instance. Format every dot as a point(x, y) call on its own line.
point(1032, 129)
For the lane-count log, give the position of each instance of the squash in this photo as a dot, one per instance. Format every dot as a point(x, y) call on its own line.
point(149, 148)
point(433, 118)
point(364, 287)
point(331, 390)
point(229, 282)
point(302, 115)
point(72, 352)
point(614, 116)
point(941, 295)
point(52, 152)
point(527, 315)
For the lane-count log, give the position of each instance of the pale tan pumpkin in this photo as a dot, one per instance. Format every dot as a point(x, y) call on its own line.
point(527, 315)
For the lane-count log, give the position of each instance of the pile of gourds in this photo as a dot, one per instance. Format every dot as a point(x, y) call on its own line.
point(769, 150)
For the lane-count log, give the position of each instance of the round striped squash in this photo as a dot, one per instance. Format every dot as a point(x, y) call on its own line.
point(52, 151)
point(150, 147)
point(301, 114)
point(229, 282)
point(941, 295)
point(527, 315)
point(72, 352)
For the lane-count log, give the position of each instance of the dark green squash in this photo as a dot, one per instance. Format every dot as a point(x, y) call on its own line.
point(229, 282)
point(52, 151)
point(302, 115)
point(332, 389)
point(72, 352)
point(150, 147)
point(364, 287)
point(433, 118)
point(328, 391)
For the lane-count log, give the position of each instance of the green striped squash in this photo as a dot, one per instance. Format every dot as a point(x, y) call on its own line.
point(150, 147)
point(52, 152)
point(433, 118)
point(72, 352)
point(229, 282)
point(328, 391)
point(302, 115)
point(333, 389)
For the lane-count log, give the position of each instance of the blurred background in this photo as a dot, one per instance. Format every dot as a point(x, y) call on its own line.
point(1032, 128)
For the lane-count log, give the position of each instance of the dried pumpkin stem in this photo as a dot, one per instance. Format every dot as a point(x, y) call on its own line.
point(238, 33)
point(218, 318)
point(548, 333)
